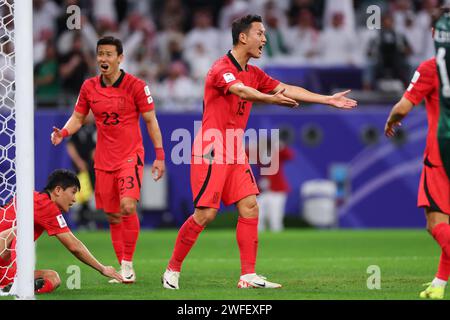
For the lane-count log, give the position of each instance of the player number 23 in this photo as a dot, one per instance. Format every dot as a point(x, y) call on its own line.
point(111, 118)
point(126, 183)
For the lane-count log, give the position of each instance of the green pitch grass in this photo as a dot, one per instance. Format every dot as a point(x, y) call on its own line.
point(310, 264)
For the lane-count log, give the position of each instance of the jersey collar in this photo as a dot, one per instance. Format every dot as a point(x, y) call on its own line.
point(234, 61)
point(115, 84)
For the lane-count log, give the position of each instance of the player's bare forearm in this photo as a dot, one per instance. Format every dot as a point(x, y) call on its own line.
point(251, 94)
point(72, 125)
point(153, 128)
point(79, 250)
point(397, 114)
point(301, 94)
point(337, 100)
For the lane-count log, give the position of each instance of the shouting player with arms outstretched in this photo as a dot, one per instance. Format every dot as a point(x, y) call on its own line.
point(232, 85)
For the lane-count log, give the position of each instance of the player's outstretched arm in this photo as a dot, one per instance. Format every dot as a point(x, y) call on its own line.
point(72, 125)
point(398, 112)
point(337, 100)
point(158, 167)
point(251, 94)
point(79, 250)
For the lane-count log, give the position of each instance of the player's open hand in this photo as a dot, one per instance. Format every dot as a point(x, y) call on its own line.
point(158, 169)
point(389, 128)
point(339, 100)
point(282, 100)
point(110, 272)
point(56, 136)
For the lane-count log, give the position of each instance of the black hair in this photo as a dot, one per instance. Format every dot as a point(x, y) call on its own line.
point(112, 41)
point(62, 178)
point(243, 25)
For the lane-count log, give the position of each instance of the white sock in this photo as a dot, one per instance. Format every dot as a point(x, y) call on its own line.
point(245, 276)
point(126, 263)
point(438, 282)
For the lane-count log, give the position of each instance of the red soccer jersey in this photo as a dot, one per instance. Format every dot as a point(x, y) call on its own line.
point(47, 216)
point(425, 84)
point(116, 110)
point(223, 110)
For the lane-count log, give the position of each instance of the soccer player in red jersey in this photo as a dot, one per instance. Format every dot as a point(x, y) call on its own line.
point(220, 172)
point(117, 99)
point(49, 206)
point(434, 187)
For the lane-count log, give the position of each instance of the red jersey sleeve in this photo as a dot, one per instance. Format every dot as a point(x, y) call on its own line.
point(421, 84)
point(52, 220)
point(142, 97)
point(82, 104)
point(224, 78)
point(265, 82)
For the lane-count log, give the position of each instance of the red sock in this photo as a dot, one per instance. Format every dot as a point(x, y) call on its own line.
point(247, 239)
point(444, 267)
point(130, 232)
point(47, 287)
point(186, 238)
point(117, 239)
point(441, 234)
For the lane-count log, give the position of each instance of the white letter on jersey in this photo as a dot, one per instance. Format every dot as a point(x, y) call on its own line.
point(62, 223)
point(228, 77)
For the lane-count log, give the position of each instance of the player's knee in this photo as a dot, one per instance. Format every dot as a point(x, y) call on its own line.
point(205, 216)
point(251, 210)
point(128, 208)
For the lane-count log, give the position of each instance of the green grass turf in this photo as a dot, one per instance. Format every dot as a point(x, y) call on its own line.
point(310, 264)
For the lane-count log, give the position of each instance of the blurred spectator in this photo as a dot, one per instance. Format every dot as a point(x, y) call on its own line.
point(45, 13)
point(46, 79)
point(416, 38)
point(232, 10)
point(177, 92)
point(315, 7)
point(424, 21)
point(7, 68)
point(170, 43)
point(275, 34)
point(274, 188)
point(390, 51)
point(75, 67)
point(345, 7)
point(304, 38)
point(105, 10)
point(173, 11)
point(203, 33)
point(401, 11)
point(81, 148)
point(337, 44)
point(200, 61)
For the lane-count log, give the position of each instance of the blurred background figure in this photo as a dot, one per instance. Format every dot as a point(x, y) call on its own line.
point(81, 149)
point(274, 188)
point(46, 79)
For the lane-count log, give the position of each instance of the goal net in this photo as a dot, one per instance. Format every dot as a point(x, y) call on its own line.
point(16, 149)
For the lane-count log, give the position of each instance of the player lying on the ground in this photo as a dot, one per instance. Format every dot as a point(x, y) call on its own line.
point(58, 196)
point(231, 86)
point(434, 188)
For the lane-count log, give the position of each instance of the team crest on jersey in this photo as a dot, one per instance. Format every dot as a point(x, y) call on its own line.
point(228, 77)
point(121, 104)
point(62, 223)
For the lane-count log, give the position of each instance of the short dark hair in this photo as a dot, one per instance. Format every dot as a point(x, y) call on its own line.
point(62, 178)
point(243, 25)
point(112, 41)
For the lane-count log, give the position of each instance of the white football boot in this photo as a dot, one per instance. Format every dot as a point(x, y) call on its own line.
point(252, 280)
point(170, 279)
point(127, 272)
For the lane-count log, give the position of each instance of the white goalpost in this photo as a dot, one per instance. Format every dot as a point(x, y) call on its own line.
point(17, 107)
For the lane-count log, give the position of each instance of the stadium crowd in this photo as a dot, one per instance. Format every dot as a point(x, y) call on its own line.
point(172, 43)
